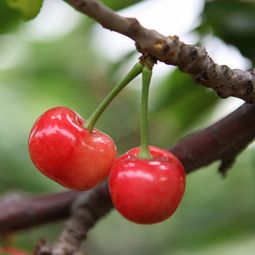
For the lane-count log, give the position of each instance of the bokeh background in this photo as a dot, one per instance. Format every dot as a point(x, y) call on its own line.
point(63, 58)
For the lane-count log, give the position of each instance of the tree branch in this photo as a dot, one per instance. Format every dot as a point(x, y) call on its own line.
point(18, 211)
point(170, 50)
point(223, 140)
point(86, 210)
point(217, 142)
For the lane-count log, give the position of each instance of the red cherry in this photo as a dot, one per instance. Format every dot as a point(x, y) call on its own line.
point(12, 251)
point(65, 151)
point(147, 191)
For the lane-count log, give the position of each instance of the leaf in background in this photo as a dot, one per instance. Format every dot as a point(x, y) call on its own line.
point(233, 21)
point(117, 5)
point(181, 103)
point(29, 9)
point(9, 18)
point(117, 65)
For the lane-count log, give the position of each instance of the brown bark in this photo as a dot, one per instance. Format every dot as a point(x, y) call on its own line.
point(191, 59)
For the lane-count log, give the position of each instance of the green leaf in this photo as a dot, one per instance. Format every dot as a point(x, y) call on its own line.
point(9, 18)
point(181, 103)
point(117, 5)
point(28, 9)
point(233, 21)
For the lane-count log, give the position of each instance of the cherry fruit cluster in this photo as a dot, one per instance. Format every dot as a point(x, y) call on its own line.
point(146, 184)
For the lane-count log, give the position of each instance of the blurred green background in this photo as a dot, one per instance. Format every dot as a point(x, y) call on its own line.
point(37, 73)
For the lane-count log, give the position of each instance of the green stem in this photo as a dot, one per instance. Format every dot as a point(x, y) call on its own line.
point(144, 150)
point(135, 71)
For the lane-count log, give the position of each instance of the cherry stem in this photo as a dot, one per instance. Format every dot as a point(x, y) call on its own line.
point(135, 71)
point(144, 149)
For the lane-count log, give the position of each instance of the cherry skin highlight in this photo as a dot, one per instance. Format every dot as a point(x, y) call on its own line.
point(147, 191)
point(12, 251)
point(62, 149)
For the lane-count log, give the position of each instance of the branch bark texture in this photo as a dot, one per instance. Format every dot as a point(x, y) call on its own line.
point(193, 60)
point(20, 211)
point(87, 208)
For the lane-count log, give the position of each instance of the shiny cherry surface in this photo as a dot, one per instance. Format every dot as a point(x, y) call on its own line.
point(62, 149)
point(147, 191)
point(12, 251)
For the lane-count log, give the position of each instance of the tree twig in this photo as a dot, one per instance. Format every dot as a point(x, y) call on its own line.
point(191, 59)
point(20, 211)
point(86, 210)
point(223, 140)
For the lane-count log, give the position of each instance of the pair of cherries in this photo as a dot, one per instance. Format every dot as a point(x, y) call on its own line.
point(144, 191)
